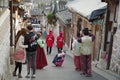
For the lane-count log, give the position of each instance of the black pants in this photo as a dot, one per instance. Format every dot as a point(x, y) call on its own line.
point(18, 65)
point(49, 49)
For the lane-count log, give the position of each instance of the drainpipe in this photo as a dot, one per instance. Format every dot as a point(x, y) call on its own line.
point(110, 49)
point(106, 28)
point(11, 32)
point(11, 10)
point(111, 40)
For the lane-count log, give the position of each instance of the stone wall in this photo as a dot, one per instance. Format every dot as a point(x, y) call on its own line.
point(115, 59)
point(4, 45)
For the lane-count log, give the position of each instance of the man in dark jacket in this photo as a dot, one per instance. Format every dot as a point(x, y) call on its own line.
point(31, 51)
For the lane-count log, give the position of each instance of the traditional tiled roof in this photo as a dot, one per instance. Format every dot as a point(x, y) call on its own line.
point(65, 16)
point(38, 1)
point(96, 14)
point(35, 11)
point(85, 7)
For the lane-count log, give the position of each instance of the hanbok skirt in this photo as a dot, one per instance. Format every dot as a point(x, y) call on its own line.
point(41, 60)
point(58, 61)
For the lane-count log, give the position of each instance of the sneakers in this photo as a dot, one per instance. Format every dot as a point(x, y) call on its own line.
point(28, 76)
point(19, 76)
point(33, 76)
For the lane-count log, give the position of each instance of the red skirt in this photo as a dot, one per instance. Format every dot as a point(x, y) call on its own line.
point(41, 60)
point(77, 63)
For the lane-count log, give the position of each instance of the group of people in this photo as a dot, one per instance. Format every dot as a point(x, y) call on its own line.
point(32, 44)
point(82, 47)
point(50, 41)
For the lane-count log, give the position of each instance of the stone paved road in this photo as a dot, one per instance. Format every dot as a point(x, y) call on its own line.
point(66, 72)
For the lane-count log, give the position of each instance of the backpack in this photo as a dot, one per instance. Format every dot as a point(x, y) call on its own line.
point(32, 42)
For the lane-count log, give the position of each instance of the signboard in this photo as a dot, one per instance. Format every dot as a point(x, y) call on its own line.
point(27, 0)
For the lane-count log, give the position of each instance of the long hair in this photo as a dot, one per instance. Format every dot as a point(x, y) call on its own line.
point(39, 34)
point(29, 27)
point(22, 32)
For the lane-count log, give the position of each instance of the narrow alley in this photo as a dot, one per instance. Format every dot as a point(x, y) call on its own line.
point(66, 72)
point(101, 18)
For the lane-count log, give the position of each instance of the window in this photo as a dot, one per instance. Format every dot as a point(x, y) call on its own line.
point(79, 23)
point(3, 5)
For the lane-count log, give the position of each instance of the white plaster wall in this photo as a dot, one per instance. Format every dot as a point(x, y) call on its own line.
point(115, 59)
point(119, 15)
point(4, 45)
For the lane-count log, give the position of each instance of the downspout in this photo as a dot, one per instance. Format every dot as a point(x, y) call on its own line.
point(111, 41)
point(110, 49)
point(11, 10)
point(11, 32)
point(106, 28)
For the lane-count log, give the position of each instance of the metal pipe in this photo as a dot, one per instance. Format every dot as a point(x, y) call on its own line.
point(11, 28)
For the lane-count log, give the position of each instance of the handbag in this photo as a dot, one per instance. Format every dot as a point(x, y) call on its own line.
point(19, 54)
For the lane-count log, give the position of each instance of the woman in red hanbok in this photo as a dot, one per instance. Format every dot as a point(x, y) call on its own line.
point(41, 60)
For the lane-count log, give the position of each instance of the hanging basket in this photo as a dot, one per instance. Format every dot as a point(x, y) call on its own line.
point(51, 18)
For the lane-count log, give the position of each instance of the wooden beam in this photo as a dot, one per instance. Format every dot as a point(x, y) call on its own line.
point(103, 0)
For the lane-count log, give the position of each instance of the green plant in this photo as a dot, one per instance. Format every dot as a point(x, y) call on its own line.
point(51, 18)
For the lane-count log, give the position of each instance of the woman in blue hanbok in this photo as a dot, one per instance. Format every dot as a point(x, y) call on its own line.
point(59, 59)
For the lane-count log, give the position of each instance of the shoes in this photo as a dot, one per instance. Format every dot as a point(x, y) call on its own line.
point(77, 69)
point(33, 76)
point(82, 73)
point(14, 73)
point(88, 75)
point(19, 76)
point(28, 76)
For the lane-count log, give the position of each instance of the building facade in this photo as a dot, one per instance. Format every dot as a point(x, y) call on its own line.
point(114, 63)
point(64, 21)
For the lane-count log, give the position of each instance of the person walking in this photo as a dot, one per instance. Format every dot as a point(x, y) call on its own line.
point(49, 41)
point(19, 41)
point(60, 42)
point(44, 33)
point(77, 52)
point(86, 50)
point(31, 51)
point(41, 60)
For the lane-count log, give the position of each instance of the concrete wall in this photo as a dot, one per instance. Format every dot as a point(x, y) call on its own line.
point(4, 45)
point(115, 60)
